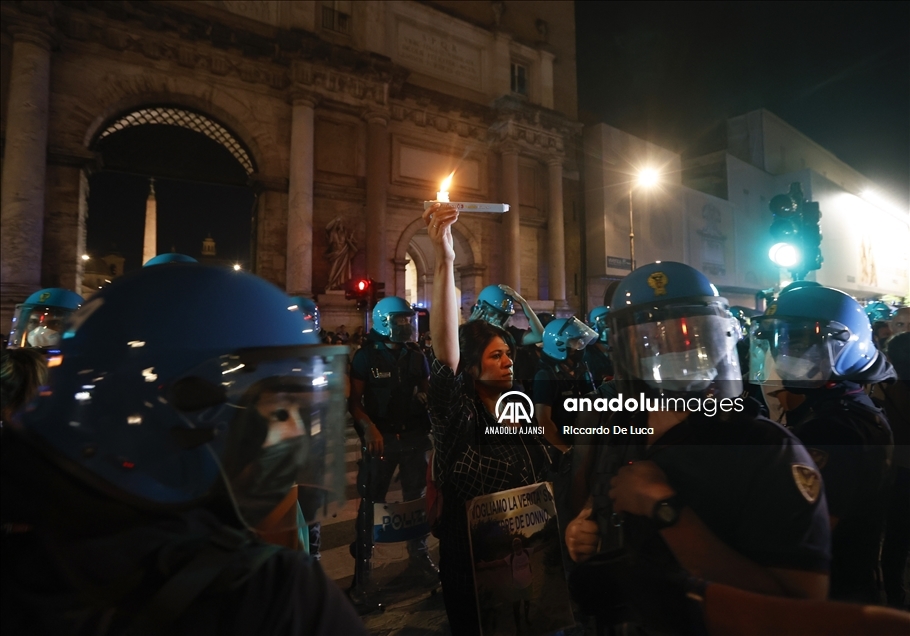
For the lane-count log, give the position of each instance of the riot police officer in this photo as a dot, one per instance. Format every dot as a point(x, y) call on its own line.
point(389, 383)
point(495, 305)
point(172, 425)
point(597, 354)
point(38, 322)
point(693, 482)
point(818, 341)
point(562, 374)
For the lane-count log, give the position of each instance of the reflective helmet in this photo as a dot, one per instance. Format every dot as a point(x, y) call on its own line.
point(877, 311)
point(171, 257)
point(494, 306)
point(38, 322)
point(395, 319)
point(566, 334)
point(809, 336)
point(672, 331)
point(310, 311)
point(597, 318)
point(182, 383)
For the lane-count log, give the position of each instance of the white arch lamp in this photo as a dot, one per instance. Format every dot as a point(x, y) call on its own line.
point(443, 197)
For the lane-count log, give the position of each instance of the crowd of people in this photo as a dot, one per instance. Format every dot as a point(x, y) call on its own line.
point(163, 469)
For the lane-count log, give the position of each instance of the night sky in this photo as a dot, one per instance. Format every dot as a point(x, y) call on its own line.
point(672, 73)
point(187, 213)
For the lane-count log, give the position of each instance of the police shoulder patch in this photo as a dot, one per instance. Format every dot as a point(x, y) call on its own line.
point(808, 481)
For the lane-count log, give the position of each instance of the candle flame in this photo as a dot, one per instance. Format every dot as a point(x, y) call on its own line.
point(446, 183)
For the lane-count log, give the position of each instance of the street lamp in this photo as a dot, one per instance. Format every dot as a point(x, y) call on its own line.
point(647, 178)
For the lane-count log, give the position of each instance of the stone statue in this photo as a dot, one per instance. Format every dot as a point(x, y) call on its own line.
point(340, 252)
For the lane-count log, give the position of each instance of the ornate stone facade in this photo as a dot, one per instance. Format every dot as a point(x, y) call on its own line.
point(360, 124)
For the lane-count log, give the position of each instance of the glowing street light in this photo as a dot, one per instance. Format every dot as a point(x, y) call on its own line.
point(647, 178)
point(236, 267)
point(85, 257)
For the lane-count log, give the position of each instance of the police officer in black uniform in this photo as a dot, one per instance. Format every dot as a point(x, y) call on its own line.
point(389, 383)
point(734, 498)
point(818, 342)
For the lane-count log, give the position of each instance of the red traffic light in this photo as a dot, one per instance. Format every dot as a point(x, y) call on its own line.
point(358, 288)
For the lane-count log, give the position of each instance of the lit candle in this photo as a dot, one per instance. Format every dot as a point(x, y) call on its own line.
point(443, 194)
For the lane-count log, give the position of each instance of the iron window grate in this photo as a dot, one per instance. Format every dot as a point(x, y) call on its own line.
point(184, 119)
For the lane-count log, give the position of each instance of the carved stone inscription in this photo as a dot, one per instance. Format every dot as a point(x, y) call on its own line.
point(439, 54)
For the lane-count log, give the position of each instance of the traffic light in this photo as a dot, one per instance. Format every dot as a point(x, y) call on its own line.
point(812, 236)
point(796, 232)
point(358, 289)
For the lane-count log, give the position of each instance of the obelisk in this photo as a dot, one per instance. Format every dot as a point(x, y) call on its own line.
point(150, 241)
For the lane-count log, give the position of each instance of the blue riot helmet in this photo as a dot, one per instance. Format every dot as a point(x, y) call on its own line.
point(188, 384)
point(810, 336)
point(597, 318)
point(494, 306)
point(877, 311)
point(672, 333)
point(564, 335)
point(310, 312)
point(39, 321)
point(797, 284)
point(395, 319)
point(171, 257)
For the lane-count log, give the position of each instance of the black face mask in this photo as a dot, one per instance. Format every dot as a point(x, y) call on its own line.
point(270, 477)
point(576, 355)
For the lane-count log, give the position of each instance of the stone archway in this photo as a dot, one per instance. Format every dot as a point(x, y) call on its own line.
point(203, 172)
point(260, 124)
point(468, 263)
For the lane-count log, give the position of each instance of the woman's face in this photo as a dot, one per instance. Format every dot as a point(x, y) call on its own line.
point(496, 365)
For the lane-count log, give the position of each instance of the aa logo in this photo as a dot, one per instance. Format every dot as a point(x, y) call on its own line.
point(514, 412)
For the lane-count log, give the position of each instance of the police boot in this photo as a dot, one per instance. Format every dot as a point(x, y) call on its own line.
point(421, 563)
point(364, 592)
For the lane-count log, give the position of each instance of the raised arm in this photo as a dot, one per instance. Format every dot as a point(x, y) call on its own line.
point(444, 312)
point(535, 335)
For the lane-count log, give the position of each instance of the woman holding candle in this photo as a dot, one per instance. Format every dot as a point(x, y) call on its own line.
point(472, 369)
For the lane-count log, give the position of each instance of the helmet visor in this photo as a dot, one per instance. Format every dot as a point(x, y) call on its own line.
point(288, 427)
point(795, 353)
point(680, 349)
point(403, 327)
point(37, 326)
point(578, 335)
point(486, 312)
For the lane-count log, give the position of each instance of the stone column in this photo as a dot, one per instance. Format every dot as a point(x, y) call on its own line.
point(401, 268)
point(300, 197)
point(511, 223)
point(556, 243)
point(22, 190)
point(377, 195)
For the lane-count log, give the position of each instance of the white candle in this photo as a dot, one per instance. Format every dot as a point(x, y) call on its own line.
point(443, 194)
